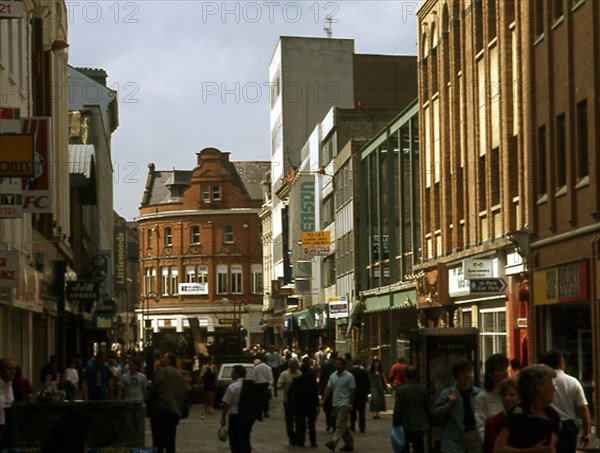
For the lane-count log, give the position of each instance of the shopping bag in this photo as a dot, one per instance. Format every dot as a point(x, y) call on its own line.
point(398, 438)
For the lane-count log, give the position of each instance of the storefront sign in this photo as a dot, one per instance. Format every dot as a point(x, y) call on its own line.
point(338, 307)
point(192, 289)
point(120, 238)
point(9, 268)
point(16, 155)
point(36, 189)
point(82, 290)
point(11, 198)
point(478, 268)
point(566, 283)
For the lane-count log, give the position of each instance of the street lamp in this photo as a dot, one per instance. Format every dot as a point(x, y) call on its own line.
point(147, 322)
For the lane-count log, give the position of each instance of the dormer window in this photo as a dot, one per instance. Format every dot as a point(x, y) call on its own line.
point(206, 194)
point(216, 193)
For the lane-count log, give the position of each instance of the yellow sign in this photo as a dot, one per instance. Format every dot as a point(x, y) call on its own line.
point(16, 155)
point(318, 238)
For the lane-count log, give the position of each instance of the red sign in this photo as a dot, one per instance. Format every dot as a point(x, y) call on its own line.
point(36, 190)
point(9, 268)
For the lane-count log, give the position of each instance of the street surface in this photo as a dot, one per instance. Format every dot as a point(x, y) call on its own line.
point(198, 435)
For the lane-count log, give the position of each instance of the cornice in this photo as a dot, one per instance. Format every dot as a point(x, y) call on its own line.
point(425, 7)
point(195, 213)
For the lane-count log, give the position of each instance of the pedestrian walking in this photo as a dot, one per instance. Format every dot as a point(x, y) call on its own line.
point(327, 369)
point(363, 388)
point(49, 373)
point(378, 387)
point(22, 387)
point(165, 403)
point(71, 379)
point(411, 411)
point(209, 384)
point(239, 426)
point(133, 385)
point(533, 425)
point(342, 390)
point(284, 383)
point(509, 392)
point(570, 403)
point(97, 382)
point(454, 411)
point(397, 375)
point(274, 360)
point(263, 377)
point(489, 402)
point(8, 368)
point(303, 398)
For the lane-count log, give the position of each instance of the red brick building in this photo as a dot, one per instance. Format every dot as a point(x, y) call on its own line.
point(200, 247)
point(509, 118)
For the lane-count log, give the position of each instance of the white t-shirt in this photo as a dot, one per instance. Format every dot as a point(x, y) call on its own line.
point(487, 404)
point(133, 386)
point(71, 375)
point(568, 397)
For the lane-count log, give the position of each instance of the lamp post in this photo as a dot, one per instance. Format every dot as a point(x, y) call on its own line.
point(146, 321)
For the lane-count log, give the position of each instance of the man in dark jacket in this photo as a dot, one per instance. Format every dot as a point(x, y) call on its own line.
point(411, 410)
point(165, 403)
point(363, 387)
point(303, 397)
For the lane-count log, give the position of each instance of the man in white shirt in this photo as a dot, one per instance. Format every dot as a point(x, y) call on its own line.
point(8, 368)
point(263, 376)
point(240, 428)
point(569, 402)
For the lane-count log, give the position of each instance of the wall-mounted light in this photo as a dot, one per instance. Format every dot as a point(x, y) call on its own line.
point(59, 44)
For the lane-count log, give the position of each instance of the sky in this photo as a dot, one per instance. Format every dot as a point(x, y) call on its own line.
point(193, 74)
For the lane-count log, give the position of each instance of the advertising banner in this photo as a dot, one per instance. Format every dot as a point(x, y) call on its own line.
point(9, 268)
point(36, 189)
point(11, 198)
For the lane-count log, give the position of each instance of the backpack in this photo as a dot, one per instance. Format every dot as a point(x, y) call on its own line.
point(250, 404)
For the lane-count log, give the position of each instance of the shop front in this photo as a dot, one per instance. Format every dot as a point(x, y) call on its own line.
point(562, 303)
point(388, 318)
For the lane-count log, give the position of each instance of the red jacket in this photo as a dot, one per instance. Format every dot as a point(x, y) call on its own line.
point(397, 375)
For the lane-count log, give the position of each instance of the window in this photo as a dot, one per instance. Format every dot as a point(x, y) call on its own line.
point(495, 182)
point(256, 281)
point(149, 239)
point(216, 192)
point(195, 234)
point(582, 140)
point(491, 19)
point(168, 237)
point(221, 279)
point(202, 274)
point(561, 152)
point(541, 161)
point(539, 18)
point(478, 6)
point(164, 281)
point(236, 279)
point(228, 234)
point(190, 274)
point(174, 280)
point(481, 181)
point(493, 332)
point(206, 194)
point(150, 280)
point(558, 9)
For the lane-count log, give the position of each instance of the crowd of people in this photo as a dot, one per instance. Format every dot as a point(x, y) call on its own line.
point(529, 410)
point(535, 409)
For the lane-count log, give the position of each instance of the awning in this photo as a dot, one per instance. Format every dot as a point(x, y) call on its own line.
point(305, 319)
point(400, 299)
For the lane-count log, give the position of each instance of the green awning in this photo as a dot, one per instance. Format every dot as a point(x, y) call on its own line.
point(381, 302)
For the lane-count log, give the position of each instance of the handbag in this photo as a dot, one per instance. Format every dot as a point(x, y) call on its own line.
point(398, 438)
point(222, 434)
